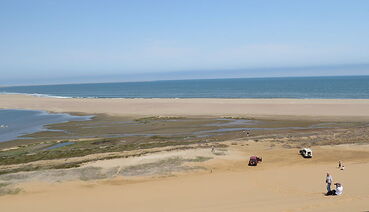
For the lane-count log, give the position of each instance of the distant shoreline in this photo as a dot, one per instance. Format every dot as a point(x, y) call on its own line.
point(68, 97)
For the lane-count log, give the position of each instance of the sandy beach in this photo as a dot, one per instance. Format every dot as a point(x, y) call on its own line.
point(201, 180)
point(283, 182)
point(329, 109)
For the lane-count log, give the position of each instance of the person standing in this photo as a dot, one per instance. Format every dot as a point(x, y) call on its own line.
point(329, 181)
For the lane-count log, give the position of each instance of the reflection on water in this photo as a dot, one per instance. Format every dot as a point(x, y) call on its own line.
point(232, 122)
point(59, 145)
point(259, 128)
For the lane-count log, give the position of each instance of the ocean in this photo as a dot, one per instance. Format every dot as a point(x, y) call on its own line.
point(16, 123)
point(342, 87)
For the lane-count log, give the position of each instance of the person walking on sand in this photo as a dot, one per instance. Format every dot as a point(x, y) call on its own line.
point(329, 181)
point(339, 164)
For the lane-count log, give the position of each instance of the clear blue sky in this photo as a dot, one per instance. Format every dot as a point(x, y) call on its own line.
point(59, 40)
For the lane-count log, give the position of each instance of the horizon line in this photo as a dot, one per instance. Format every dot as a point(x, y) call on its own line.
point(220, 72)
point(217, 78)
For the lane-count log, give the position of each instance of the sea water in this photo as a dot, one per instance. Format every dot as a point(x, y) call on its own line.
point(16, 123)
point(343, 87)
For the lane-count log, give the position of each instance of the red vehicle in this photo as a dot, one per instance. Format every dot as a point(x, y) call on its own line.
point(254, 160)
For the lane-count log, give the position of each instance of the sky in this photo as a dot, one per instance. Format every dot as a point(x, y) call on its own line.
point(53, 41)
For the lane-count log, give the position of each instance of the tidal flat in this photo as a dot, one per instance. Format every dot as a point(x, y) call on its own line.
point(121, 136)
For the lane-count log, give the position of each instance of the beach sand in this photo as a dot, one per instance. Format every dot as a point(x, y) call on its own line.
point(322, 109)
point(284, 181)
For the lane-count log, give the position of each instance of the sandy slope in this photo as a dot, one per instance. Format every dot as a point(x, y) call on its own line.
point(329, 109)
point(283, 182)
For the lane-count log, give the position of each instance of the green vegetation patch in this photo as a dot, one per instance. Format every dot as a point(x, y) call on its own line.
point(84, 148)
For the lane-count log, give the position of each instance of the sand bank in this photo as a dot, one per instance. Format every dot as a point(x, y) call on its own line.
point(345, 109)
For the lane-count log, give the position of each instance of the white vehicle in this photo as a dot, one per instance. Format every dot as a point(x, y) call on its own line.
point(306, 153)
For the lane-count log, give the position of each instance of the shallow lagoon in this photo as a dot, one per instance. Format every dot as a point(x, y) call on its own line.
point(17, 123)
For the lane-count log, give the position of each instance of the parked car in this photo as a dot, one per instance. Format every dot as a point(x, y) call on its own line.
point(254, 160)
point(306, 153)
